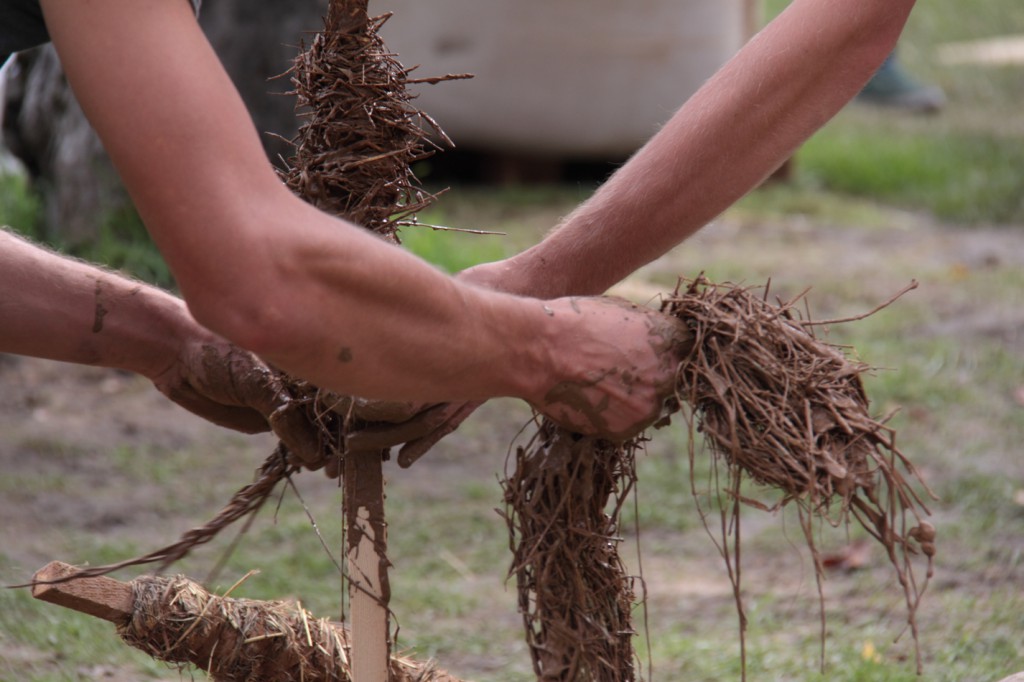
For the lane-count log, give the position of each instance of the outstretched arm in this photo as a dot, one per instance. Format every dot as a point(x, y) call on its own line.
point(313, 295)
point(750, 117)
point(59, 308)
point(725, 140)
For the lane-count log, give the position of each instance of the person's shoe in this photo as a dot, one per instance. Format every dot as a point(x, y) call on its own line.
point(893, 87)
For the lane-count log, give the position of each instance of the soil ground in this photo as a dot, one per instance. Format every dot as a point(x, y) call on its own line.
point(96, 464)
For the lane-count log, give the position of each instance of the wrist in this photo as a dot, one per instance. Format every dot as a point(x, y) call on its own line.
point(526, 274)
point(536, 273)
point(518, 336)
point(547, 346)
point(156, 325)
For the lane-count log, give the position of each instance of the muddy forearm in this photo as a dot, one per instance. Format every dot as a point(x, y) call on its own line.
point(748, 119)
point(346, 311)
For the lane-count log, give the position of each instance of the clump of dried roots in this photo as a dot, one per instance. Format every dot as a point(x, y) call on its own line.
point(237, 640)
point(775, 405)
point(353, 154)
point(779, 406)
point(562, 507)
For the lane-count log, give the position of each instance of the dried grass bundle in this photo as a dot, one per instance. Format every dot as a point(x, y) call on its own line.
point(779, 406)
point(239, 640)
point(353, 154)
point(562, 505)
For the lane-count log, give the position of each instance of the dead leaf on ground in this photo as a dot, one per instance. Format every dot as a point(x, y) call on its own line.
point(853, 556)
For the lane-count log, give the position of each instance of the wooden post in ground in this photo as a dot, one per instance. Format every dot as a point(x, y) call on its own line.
point(366, 551)
point(365, 526)
point(339, 79)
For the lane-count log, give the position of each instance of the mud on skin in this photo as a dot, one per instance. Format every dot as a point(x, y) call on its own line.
point(667, 337)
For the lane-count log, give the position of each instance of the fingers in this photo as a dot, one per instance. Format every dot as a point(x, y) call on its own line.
point(372, 411)
point(301, 437)
point(386, 411)
point(382, 436)
point(334, 466)
point(232, 387)
point(419, 435)
point(232, 375)
point(229, 416)
point(414, 449)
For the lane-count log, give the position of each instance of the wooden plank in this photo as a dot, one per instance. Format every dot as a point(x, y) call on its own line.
point(102, 597)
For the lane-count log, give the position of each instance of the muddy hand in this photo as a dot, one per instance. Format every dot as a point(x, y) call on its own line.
point(233, 388)
point(384, 424)
point(417, 428)
point(615, 366)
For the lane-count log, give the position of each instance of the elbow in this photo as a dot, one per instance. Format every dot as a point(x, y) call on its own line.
point(881, 26)
point(856, 31)
point(245, 315)
point(246, 295)
point(238, 261)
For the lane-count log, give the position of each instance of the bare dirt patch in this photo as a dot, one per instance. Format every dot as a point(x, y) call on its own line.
point(72, 480)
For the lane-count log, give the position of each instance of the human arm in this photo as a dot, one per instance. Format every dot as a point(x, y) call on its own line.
point(732, 133)
point(313, 295)
point(60, 308)
point(750, 117)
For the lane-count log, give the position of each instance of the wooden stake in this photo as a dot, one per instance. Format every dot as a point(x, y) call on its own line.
point(102, 597)
point(369, 588)
point(153, 630)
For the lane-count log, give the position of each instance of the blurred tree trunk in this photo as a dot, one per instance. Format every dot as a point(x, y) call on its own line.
point(44, 127)
point(257, 40)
